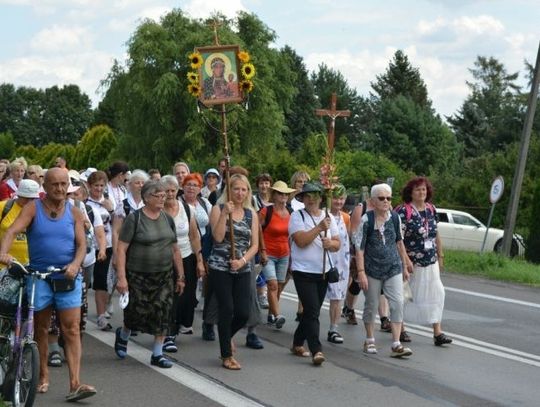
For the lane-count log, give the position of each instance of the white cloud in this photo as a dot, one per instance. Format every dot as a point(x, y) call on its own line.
point(204, 8)
point(61, 39)
point(481, 25)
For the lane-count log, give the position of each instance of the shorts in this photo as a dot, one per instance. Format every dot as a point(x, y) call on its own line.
point(44, 296)
point(276, 268)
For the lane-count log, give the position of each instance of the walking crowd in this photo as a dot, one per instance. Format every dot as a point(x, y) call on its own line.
point(159, 240)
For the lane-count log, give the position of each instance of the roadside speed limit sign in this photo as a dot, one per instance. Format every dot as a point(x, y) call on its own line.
point(497, 189)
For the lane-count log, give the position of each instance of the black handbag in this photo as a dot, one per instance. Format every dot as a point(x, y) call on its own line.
point(62, 285)
point(332, 275)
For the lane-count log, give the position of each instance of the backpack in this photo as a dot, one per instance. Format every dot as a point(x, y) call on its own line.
point(7, 208)
point(88, 233)
point(409, 209)
point(371, 222)
point(269, 212)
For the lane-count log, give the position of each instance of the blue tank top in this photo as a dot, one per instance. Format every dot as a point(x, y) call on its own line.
point(51, 242)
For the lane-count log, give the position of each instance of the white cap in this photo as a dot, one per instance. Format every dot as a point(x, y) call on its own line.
point(74, 175)
point(28, 188)
point(123, 301)
point(84, 176)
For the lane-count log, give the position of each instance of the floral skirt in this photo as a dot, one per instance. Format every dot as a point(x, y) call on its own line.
point(150, 302)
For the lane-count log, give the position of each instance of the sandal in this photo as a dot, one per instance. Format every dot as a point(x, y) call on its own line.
point(43, 388)
point(404, 337)
point(161, 361)
point(300, 351)
point(370, 348)
point(54, 359)
point(82, 392)
point(335, 337)
point(120, 345)
point(231, 363)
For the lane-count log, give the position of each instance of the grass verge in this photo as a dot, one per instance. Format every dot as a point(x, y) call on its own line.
point(492, 266)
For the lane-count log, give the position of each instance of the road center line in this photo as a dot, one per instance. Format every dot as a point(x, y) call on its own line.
point(202, 385)
point(492, 297)
point(463, 341)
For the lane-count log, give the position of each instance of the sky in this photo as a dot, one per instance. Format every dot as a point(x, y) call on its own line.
point(58, 42)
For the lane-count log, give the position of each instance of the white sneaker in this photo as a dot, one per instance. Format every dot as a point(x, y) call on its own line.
point(186, 330)
point(263, 301)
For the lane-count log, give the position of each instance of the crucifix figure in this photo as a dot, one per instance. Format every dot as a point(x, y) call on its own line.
point(333, 114)
point(215, 24)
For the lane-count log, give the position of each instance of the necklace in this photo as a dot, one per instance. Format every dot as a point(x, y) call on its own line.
point(54, 213)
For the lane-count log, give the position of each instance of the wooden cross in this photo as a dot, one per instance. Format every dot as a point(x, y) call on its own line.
point(215, 24)
point(333, 113)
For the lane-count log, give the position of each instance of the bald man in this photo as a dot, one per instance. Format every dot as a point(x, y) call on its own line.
point(55, 234)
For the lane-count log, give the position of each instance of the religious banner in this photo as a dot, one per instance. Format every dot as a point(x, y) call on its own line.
point(223, 74)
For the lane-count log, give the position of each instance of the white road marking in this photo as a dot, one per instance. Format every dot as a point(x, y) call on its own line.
point(202, 385)
point(459, 340)
point(493, 297)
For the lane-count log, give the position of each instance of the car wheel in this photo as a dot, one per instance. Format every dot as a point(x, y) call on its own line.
point(514, 249)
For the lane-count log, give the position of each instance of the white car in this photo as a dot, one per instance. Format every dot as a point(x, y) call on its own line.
point(462, 231)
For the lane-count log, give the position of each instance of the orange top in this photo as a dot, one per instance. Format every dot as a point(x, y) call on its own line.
point(276, 234)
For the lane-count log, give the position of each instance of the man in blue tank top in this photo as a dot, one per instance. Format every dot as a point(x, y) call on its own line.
point(55, 234)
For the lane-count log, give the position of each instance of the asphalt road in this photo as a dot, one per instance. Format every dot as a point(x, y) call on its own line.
point(494, 360)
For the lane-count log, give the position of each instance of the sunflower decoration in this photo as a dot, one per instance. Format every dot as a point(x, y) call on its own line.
point(196, 60)
point(246, 86)
point(193, 77)
point(194, 89)
point(248, 71)
point(243, 56)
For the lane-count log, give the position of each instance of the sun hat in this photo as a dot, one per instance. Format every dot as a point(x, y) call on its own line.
point(282, 187)
point(86, 173)
point(28, 188)
point(72, 188)
point(309, 187)
point(74, 175)
point(214, 172)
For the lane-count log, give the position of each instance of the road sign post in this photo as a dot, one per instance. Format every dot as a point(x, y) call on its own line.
point(495, 193)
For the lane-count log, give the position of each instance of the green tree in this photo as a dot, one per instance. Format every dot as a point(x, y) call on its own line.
point(94, 149)
point(300, 118)
point(492, 115)
point(160, 124)
point(401, 79)
point(7, 145)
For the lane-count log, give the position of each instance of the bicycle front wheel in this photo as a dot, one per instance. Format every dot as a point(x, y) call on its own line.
point(25, 386)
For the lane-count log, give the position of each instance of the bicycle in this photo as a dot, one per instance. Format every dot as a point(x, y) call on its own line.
point(19, 356)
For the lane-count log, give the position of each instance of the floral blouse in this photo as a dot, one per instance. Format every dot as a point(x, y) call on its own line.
point(419, 233)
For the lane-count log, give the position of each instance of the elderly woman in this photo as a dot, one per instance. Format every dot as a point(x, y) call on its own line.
point(189, 245)
point(423, 245)
point(212, 180)
point(231, 274)
point(274, 220)
point(17, 169)
point(313, 235)
point(146, 271)
point(382, 262)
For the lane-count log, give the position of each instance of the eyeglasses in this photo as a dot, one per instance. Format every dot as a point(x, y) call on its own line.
point(384, 198)
point(191, 185)
point(159, 196)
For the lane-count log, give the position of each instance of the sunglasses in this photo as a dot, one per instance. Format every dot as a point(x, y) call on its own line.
point(384, 198)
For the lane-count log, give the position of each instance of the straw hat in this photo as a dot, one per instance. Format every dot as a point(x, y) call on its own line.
point(282, 187)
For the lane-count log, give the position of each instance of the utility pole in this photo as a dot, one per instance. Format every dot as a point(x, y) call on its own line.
point(511, 213)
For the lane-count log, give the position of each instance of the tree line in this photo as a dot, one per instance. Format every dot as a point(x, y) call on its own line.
point(148, 118)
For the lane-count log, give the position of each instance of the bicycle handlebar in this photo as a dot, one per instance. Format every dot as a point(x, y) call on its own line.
point(38, 274)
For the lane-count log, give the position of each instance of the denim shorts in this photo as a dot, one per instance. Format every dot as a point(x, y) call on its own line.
point(44, 296)
point(276, 268)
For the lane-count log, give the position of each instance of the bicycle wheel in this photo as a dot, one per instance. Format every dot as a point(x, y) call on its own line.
point(25, 386)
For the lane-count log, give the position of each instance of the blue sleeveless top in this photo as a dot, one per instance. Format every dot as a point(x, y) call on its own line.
point(51, 242)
